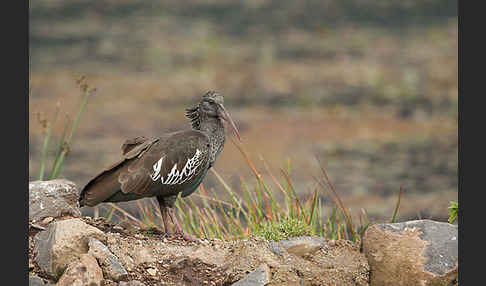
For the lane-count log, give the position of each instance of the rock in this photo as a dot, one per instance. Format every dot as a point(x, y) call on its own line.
point(131, 283)
point(152, 271)
point(82, 271)
point(61, 242)
point(47, 220)
point(108, 261)
point(275, 248)
point(143, 255)
point(37, 281)
point(258, 277)
point(303, 245)
point(420, 252)
point(53, 198)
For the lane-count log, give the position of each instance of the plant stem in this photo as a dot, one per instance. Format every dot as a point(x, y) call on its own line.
point(57, 168)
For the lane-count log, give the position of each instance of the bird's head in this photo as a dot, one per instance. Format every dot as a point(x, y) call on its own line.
point(211, 105)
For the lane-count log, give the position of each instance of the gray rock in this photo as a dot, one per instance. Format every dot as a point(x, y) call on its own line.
point(303, 245)
point(81, 272)
point(53, 198)
point(37, 281)
point(420, 252)
point(258, 277)
point(131, 283)
point(61, 242)
point(108, 261)
point(275, 248)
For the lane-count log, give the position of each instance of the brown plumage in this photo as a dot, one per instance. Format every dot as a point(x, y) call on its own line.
point(166, 166)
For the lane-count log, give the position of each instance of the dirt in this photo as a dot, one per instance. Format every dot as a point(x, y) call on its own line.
point(156, 258)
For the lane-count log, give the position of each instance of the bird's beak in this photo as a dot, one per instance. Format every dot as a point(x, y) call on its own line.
point(225, 115)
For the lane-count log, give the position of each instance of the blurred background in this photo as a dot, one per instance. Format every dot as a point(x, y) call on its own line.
point(367, 87)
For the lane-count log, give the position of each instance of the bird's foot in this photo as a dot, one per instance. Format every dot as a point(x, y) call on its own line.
point(187, 236)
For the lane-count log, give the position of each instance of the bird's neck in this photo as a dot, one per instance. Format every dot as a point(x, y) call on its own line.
point(213, 127)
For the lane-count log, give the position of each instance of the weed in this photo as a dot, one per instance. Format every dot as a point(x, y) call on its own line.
point(287, 227)
point(64, 144)
point(453, 209)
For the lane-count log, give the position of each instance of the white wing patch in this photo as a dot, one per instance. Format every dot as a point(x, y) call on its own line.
point(176, 177)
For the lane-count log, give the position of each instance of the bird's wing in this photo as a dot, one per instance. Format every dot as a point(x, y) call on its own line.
point(106, 183)
point(171, 163)
point(151, 166)
point(131, 143)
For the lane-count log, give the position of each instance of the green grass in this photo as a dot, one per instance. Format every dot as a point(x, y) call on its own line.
point(62, 148)
point(286, 227)
point(453, 209)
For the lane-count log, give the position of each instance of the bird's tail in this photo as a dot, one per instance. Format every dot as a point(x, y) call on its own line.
point(100, 188)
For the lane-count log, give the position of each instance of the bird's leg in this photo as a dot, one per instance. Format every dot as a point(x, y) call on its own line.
point(179, 230)
point(167, 210)
point(164, 211)
point(165, 219)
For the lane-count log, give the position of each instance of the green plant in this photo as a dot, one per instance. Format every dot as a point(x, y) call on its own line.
point(63, 145)
point(453, 208)
point(395, 212)
point(287, 227)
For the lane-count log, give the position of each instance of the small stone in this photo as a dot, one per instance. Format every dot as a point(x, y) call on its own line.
point(258, 277)
point(47, 220)
point(273, 246)
point(109, 262)
point(303, 245)
point(84, 271)
point(36, 226)
point(152, 271)
point(131, 283)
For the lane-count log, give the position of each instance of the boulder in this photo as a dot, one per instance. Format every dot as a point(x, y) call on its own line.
point(53, 198)
point(61, 242)
point(108, 261)
point(258, 277)
point(81, 272)
point(420, 252)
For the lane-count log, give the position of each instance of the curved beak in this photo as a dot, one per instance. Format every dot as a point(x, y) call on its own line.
point(225, 115)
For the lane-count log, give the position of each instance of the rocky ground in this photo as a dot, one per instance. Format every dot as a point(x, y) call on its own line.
point(67, 249)
point(154, 258)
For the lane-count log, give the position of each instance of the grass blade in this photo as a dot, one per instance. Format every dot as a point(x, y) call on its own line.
point(46, 142)
point(87, 92)
point(397, 205)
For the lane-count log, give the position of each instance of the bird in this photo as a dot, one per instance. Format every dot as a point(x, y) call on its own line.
point(167, 166)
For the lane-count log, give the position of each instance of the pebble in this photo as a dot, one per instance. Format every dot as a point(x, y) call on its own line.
point(47, 220)
point(152, 271)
